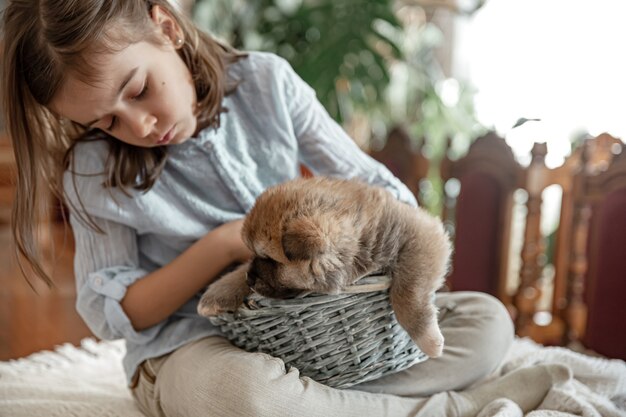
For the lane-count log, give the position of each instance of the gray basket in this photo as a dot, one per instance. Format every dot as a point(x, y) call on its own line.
point(339, 340)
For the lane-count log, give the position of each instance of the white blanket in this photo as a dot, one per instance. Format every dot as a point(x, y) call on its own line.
point(71, 382)
point(89, 381)
point(595, 388)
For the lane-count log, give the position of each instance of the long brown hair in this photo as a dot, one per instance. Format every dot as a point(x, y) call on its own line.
point(43, 41)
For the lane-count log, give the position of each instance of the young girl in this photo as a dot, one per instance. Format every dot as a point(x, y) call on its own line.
point(159, 139)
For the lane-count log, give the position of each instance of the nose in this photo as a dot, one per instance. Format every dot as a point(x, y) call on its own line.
point(141, 123)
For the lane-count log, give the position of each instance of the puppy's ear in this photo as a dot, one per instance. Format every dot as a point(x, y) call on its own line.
point(303, 239)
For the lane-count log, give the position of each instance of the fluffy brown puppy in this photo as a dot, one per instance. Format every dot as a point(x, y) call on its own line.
point(323, 234)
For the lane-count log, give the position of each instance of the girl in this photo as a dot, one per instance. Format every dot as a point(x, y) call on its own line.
point(159, 139)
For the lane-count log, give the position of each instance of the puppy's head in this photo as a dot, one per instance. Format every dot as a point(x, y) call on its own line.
point(296, 248)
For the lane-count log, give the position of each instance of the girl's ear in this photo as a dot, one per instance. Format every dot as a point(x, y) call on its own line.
point(167, 25)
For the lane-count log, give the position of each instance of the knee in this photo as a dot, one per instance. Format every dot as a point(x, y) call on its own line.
point(260, 385)
point(494, 325)
point(247, 385)
point(496, 315)
point(480, 326)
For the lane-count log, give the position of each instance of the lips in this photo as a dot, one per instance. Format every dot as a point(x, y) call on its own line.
point(167, 137)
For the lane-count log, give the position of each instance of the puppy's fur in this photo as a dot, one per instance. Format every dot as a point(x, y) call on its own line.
point(323, 234)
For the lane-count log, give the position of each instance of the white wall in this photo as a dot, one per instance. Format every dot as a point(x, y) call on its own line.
point(563, 61)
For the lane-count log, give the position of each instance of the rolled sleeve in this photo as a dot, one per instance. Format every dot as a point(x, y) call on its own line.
point(106, 288)
point(105, 265)
point(325, 148)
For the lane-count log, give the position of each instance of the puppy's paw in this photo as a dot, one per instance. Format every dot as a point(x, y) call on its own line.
point(430, 341)
point(215, 301)
point(226, 294)
point(420, 322)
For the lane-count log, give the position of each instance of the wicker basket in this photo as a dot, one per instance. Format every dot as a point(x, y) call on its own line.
point(339, 340)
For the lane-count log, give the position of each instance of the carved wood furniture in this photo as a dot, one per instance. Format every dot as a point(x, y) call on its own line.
point(488, 175)
point(404, 159)
point(596, 290)
point(589, 262)
point(589, 257)
point(536, 178)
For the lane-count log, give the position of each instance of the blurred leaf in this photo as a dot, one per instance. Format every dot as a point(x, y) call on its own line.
point(317, 38)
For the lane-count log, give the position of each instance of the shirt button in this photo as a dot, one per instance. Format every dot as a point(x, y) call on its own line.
point(97, 281)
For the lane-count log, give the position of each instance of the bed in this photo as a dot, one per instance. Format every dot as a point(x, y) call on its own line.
point(89, 381)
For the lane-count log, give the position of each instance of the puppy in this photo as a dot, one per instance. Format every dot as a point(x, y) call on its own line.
point(323, 234)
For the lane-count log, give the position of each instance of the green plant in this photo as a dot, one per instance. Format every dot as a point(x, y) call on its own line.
point(339, 47)
point(370, 61)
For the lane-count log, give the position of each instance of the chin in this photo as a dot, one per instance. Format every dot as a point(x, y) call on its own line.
point(180, 138)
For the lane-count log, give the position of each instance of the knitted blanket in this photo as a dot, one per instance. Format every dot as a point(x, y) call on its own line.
point(86, 381)
point(595, 387)
point(89, 381)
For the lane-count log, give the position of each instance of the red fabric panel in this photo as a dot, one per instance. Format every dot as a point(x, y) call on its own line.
point(606, 282)
point(305, 172)
point(476, 243)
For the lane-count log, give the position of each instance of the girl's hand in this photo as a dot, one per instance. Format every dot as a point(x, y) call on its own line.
point(159, 294)
point(238, 251)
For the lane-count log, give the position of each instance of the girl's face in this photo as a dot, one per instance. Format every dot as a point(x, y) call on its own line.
point(145, 95)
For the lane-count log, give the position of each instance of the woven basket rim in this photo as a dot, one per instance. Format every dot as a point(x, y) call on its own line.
point(366, 284)
point(369, 283)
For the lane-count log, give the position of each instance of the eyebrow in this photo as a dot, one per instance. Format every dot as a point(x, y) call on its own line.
point(127, 79)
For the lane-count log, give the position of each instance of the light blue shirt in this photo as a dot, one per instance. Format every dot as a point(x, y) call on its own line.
point(274, 123)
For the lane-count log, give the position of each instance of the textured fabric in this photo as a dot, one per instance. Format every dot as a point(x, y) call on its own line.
point(189, 383)
point(476, 260)
point(70, 382)
point(477, 331)
point(606, 328)
point(90, 381)
point(274, 123)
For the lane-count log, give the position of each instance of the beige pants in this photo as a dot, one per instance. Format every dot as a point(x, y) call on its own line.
point(211, 377)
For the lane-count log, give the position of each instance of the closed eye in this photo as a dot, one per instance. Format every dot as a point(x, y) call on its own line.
point(141, 94)
point(143, 91)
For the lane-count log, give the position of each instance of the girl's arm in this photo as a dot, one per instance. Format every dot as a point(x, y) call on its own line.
point(156, 296)
point(115, 295)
